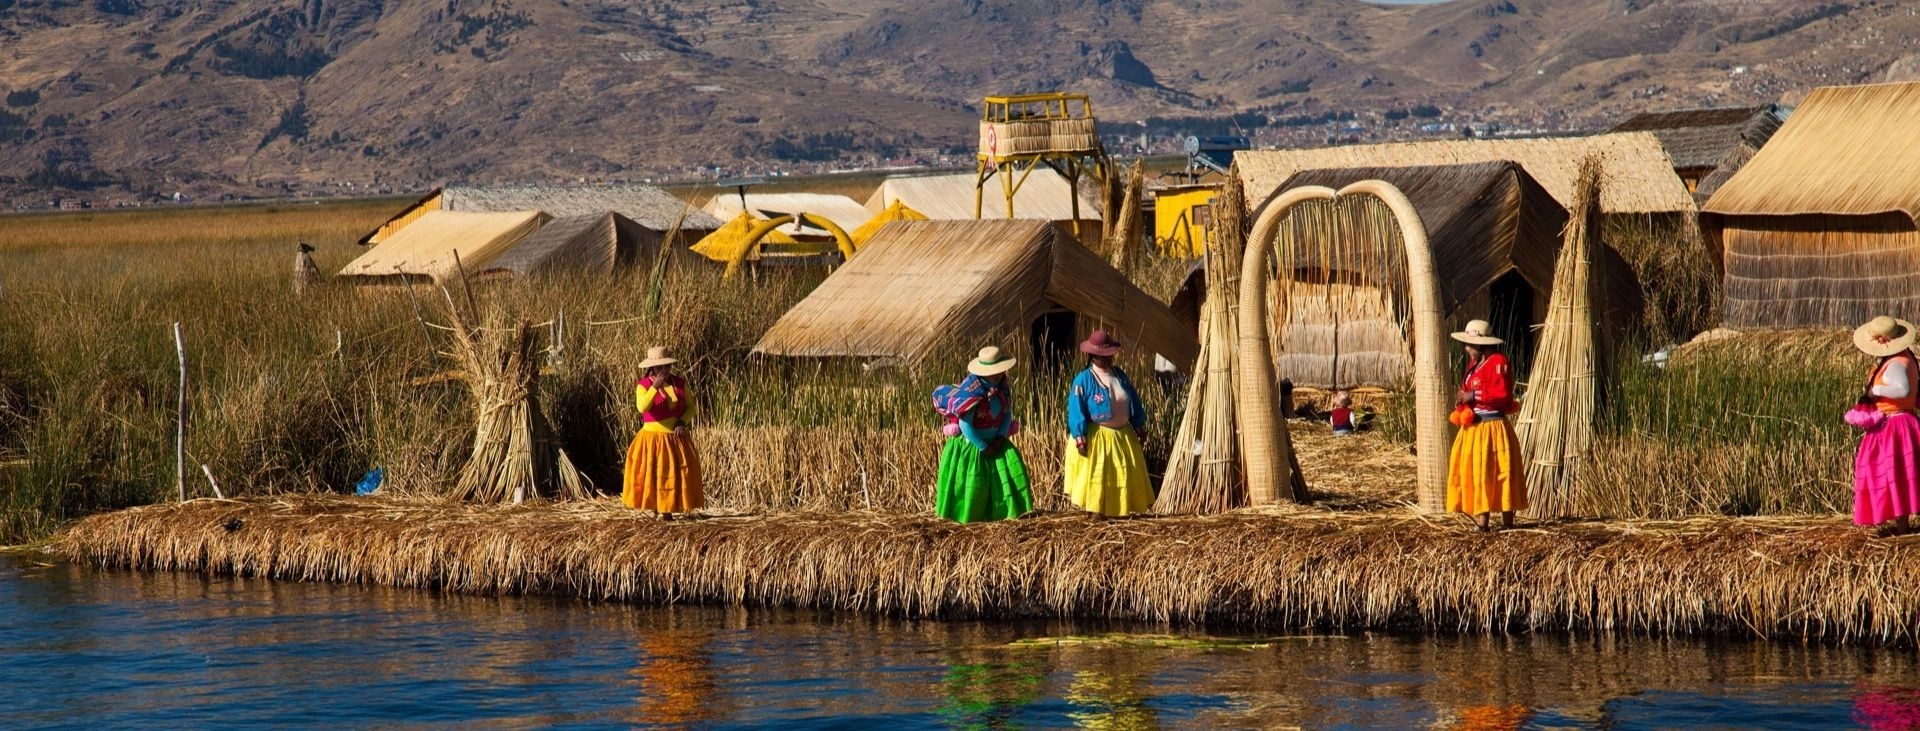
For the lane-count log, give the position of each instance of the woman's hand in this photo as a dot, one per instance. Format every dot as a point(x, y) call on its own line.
point(680, 430)
point(1080, 443)
point(1463, 398)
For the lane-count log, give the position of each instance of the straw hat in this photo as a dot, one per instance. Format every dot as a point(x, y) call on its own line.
point(990, 363)
point(657, 356)
point(1883, 336)
point(1477, 333)
point(1100, 343)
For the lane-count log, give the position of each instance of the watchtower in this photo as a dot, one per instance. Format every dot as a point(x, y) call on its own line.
point(1022, 132)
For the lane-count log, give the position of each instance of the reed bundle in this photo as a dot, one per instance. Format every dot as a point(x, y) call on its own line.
point(514, 452)
point(1765, 577)
point(1123, 231)
point(1203, 468)
point(1556, 424)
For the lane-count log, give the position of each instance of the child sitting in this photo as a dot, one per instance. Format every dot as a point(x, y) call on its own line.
point(1342, 417)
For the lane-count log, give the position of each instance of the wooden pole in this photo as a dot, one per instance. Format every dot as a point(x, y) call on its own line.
point(180, 418)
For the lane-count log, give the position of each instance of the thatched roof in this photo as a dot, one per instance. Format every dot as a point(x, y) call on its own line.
point(844, 212)
point(919, 284)
point(578, 244)
point(426, 248)
point(1482, 221)
point(1847, 150)
point(1702, 138)
point(646, 205)
point(1043, 196)
point(1640, 177)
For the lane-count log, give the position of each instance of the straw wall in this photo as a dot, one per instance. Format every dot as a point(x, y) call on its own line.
point(1340, 314)
point(1820, 271)
point(1339, 334)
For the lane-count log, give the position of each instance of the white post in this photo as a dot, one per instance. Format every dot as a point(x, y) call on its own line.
point(180, 418)
point(213, 482)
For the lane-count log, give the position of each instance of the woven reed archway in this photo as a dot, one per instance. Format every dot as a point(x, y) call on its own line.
point(760, 231)
point(1263, 437)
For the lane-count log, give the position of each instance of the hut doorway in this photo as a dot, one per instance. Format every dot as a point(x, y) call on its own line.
point(1055, 338)
point(1511, 315)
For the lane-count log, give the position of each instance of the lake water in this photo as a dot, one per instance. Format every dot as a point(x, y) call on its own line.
point(86, 648)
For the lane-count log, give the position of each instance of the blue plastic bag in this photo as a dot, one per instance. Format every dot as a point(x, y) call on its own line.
point(371, 482)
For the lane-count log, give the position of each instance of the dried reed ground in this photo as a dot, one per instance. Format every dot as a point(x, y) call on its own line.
point(1768, 577)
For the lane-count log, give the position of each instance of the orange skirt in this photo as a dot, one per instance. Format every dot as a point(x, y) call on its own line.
point(1485, 473)
point(663, 473)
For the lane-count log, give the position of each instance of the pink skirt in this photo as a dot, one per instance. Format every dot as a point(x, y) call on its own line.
point(1886, 472)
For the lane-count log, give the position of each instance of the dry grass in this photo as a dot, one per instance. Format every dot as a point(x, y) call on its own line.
point(240, 225)
point(1798, 578)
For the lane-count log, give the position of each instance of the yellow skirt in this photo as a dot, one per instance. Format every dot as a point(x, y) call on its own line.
point(663, 473)
point(1484, 473)
point(1112, 478)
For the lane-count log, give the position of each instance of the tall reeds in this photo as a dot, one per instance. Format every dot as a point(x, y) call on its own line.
point(309, 394)
point(1747, 425)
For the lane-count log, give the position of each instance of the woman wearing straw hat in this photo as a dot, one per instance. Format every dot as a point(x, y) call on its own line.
point(1106, 471)
point(1484, 472)
point(1886, 470)
point(981, 475)
point(663, 470)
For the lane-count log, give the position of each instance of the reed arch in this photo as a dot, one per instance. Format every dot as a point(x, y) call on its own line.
point(1264, 439)
point(761, 229)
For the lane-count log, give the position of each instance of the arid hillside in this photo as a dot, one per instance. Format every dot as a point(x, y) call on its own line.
point(138, 98)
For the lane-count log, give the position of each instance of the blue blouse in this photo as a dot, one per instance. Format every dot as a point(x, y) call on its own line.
point(1090, 403)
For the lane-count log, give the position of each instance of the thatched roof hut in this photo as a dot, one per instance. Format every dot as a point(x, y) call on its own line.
point(1709, 145)
point(921, 284)
point(844, 212)
point(1649, 217)
point(438, 244)
point(646, 206)
point(1043, 196)
point(1819, 229)
point(592, 244)
point(1340, 310)
point(1639, 176)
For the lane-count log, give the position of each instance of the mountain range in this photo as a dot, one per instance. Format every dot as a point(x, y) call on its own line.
point(131, 99)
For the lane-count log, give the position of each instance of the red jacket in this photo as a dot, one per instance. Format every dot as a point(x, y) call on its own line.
point(1489, 383)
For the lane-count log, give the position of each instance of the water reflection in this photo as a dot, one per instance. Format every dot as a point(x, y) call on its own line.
point(1886, 708)
point(104, 649)
point(675, 677)
point(988, 695)
point(1491, 718)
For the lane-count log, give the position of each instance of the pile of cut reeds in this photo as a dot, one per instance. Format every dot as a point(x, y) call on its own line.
point(1123, 229)
point(1556, 421)
point(515, 455)
point(1203, 467)
point(1293, 567)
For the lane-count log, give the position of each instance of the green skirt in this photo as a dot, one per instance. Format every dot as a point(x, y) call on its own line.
point(976, 486)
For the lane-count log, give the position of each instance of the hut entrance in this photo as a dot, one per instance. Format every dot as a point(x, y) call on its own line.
point(1340, 316)
point(1055, 337)
point(1510, 313)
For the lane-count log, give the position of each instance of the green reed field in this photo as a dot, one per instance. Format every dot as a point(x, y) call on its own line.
point(308, 393)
